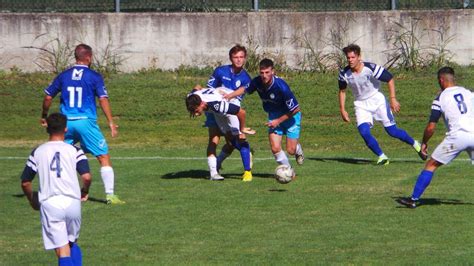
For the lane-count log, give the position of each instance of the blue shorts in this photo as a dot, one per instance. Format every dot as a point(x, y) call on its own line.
point(87, 132)
point(291, 127)
point(210, 120)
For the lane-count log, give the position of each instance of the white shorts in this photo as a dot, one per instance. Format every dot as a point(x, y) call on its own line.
point(453, 145)
point(60, 220)
point(375, 107)
point(228, 124)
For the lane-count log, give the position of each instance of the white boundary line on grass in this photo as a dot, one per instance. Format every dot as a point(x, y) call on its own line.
point(205, 158)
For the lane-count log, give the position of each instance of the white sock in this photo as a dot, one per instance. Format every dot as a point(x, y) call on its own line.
point(281, 158)
point(212, 163)
point(107, 174)
point(222, 156)
point(299, 150)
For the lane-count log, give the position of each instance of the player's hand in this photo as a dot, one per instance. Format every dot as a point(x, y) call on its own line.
point(227, 97)
point(394, 105)
point(345, 116)
point(35, 201)
point(43, 122)
point(113, 129)
point(424, 148)
point(84, 194)
point(273, 123)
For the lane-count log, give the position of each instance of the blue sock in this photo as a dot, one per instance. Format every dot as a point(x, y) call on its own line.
point(76, 254)
point(422, 183)
point(400, 134)
point(370, 141)
point(65, 261)
point(244, 148)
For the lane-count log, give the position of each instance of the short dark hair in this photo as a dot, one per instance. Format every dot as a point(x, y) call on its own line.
point(192, 103)
point(82, 51)
point(266, 63)
point(351, 48)
point(56, 123)
point(237, 48)
point(446, 70)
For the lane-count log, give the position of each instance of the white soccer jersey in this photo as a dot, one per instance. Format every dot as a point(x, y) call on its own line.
point(56, 163)
point(365, 84)
point(215, 95)
point(456, 105)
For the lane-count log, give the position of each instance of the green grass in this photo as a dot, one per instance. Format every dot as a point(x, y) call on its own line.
point(340, 210)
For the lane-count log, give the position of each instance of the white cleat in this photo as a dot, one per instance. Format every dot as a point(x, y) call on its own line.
point(216, 177)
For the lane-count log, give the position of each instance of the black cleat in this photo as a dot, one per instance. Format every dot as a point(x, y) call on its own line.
point(408, 202)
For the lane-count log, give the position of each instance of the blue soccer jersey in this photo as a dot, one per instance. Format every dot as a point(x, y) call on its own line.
point(78, 86)
point(224, 77)
point(277, 99)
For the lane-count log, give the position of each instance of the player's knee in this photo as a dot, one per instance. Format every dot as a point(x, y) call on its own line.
point(364, 130)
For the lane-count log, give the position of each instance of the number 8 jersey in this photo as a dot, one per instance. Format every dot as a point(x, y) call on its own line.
point(79, 86)
point(56, 163)
point(456, 105)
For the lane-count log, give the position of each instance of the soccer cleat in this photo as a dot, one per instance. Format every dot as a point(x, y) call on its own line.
point(383, 160)
point(114, 199)
point(417, 148)
point(247, 176)
point(216, 177)
point(299, 158)
point(408, 202)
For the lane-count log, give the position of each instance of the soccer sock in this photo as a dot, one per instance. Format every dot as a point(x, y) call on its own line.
point(299, 150)
point(220, 159)
point(400, 134)
point(76, 254)
point(245, 155)
point(212, 163)
point(107, 174)
point(422, 183)
point(281, 158)
point(370, 141)
point(65, 261)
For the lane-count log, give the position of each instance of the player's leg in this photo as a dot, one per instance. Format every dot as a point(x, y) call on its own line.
point(372, 144)
point(292, 129)
point(275, 146)
point(214, 135)
point(364, 111)
point(225, 124)
point(73, 224)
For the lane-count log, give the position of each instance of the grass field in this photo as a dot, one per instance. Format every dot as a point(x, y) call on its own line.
point(340, 210)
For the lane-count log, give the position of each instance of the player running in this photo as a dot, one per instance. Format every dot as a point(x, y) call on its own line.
point(456, 105)
point(59, 197)
point(284, 115)
point(79, 86)
point(230, 119)
point(364, 79)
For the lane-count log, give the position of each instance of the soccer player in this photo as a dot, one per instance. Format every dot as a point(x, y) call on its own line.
point(59, 194)
point(229, 118)
point(284, 116)
point(79, 86)
point(231, 76)
point(364, 79)
point(455, 104)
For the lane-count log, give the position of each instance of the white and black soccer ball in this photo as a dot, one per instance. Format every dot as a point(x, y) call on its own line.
point(284, 174)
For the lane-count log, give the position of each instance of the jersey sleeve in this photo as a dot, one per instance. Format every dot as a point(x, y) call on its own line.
point(223, 107)
point(252, 87)
point(82, 165)
point(30, 169)
point(100, 89)
point(342, 80)
point(290, 99)
point(214, 80)
point(379, 72)
point(54, 88)
point(436, 111)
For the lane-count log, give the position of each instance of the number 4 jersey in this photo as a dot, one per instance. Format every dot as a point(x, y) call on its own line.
point(56, 163)
point(79, 86)
point(456, 105)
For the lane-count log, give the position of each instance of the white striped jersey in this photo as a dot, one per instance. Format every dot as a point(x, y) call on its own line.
point(456, 105)
point(366, 83)
point(216, 102)
point(56, 163)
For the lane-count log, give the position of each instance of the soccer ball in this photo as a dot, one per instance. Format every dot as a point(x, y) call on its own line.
point(284, 174)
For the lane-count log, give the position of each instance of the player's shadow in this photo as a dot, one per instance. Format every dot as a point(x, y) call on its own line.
point(433, 201)
point(203, 174)
point(356, 160)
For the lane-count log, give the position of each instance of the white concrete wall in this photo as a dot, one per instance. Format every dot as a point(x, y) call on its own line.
point(168, 40)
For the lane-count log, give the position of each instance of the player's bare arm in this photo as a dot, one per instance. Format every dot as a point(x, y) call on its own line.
point(46, 105)
point(394, 104)
point(30, 195)
point(275, 122)
point(342, 105)
point(105, 105)
point(86, 183)
point(236, 93)
point(427, 134)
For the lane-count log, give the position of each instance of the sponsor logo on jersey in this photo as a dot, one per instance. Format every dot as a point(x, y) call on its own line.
point(226, 78)
point(290, 103)
point(272, 96)
point(77, 74)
